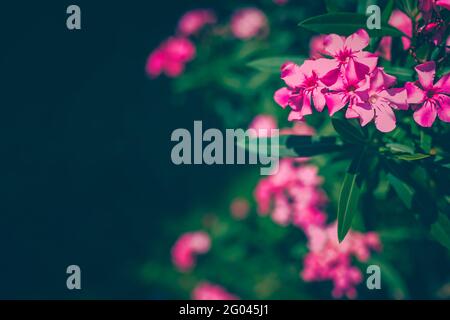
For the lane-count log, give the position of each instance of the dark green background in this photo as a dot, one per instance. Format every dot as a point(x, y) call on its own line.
point(86, 176)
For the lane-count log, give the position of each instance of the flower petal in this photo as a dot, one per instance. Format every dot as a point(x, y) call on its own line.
point(333, 43)
point(396, 96)
point(444, 107)
point(282, 96)
point(318, 99)
point(426, 115)
point(414, 93)
point(335, 102)
point(365, 112)
point(443, 85)
point(384, 118)
point(426, 72)
point(292, 74)
point(358, 40)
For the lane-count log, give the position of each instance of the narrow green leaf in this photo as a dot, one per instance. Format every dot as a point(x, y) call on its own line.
point(273, 64)
point(348, 199)
point(440, 230)
point(402, 74)
point(387, 11)
point(400, 148)
point(348, 132)
point(345, 23)
point(412, 157)
point(425, 141)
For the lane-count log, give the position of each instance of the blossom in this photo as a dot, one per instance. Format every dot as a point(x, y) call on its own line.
point(248, 22)
point(317, 46)
point(402, 22)
point(187, 247)
point(330, 260)
point(293, 194)
point(239, 208)
point(303, 89)
point(170, 57)
point(208, 291)
point(192, 21)
point(263, 124)
point(378, 100)
point(429, 99)
point(349, 59)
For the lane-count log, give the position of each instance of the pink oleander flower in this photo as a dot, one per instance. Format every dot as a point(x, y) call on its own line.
point(187, 247)
point(330, 260)
point(402, 22)
point(240, 208)
point(429, 99)
point(248, 23)
point(317, 47)
point(208, 291)
point(303, 89)
point(170, 57)
point(378, 101)
point(293, 195)
point(193, 21)
point(349, 59)
point(263, 124)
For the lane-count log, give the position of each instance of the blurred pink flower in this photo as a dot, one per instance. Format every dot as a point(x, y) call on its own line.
point(402, 22)
point(317, 47)
point(248, 23)
point(303, 89)
point(187, 247)
point(192, 21)
point(292, 195)
point(378, 100)
point(427, 7)
point(239, 208)
point(263, 124)
point(330, 260)
point(208, 291)
point(447, 44)
point(429, 99)
point(349, 59)
point(170, 57)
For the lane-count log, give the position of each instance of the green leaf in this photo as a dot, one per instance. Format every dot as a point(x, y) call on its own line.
point(348, 132)
point(404, 191)
point(349, 197)
point(345, 23)
point(412, 157)
point(291, 146)
point(273, 64)
point(402, 74)
point(425, 141)
point(387, 11)
point(440, 230)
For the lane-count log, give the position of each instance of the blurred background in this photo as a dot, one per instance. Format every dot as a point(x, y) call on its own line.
point(86, 175)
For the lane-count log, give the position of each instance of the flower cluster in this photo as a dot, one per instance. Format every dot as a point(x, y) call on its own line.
point(208, 291)
point(292, 195)
point(193, 21)
point(330, 260)
point(187, 247)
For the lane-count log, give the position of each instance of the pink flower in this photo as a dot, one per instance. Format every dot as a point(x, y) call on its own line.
point(192, 21)
point(248, 23)
point(293, 195)
point(429, 99)
point(300, 128)
point(208, 291)
point(444, 4)
point(330, 260)
point(378, 100)
point(427, 7)
point(349, 59)
point(402, 22)
point(303, 89)
point(170, 57)
point(239, 208)
point(263, 124)
point(187, 247)
point(317, 47)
